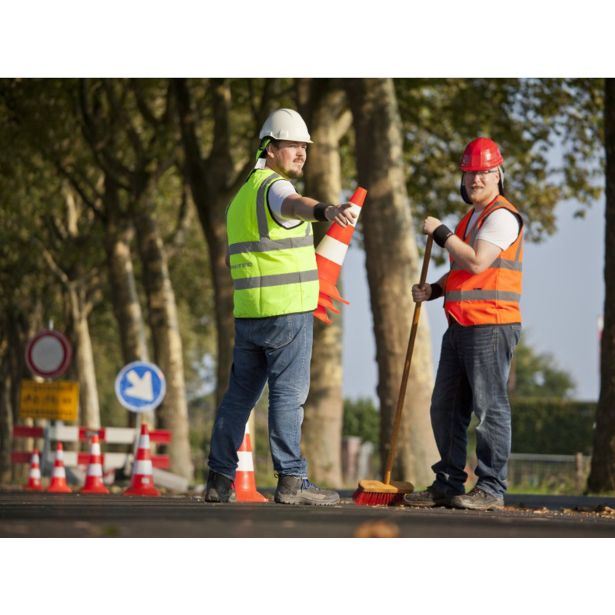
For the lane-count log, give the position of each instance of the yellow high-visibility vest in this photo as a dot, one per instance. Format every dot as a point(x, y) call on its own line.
point(273, 268)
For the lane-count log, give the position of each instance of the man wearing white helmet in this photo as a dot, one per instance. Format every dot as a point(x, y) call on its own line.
point(275, 290)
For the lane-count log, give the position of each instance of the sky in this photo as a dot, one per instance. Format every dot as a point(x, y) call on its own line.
point(563, 295)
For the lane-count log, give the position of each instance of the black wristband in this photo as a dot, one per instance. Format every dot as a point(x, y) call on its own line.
point(436, 291)
point(319, 211)
point(441, 234)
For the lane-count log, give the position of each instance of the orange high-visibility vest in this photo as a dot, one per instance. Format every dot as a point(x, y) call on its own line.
point(491, 297)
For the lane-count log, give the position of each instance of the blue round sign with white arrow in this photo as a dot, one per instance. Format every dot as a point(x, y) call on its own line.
point(140, 386)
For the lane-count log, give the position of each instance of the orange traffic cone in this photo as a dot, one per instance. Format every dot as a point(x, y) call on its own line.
point(245, 484)
point(330, 255)
point(142, 479)
point(93, 479)
point(58, 477)
point(34, 477)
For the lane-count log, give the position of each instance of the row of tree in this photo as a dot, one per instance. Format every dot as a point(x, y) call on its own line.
point(102, 179)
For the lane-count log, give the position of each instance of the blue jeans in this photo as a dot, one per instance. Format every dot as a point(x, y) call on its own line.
point(277, 350)
point(473, 377)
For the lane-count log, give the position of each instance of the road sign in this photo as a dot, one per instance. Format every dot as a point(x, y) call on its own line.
point(48, 354)
point(56, 401)
point(140, 386)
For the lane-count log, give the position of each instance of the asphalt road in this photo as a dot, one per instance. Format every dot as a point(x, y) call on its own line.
point(39, 515)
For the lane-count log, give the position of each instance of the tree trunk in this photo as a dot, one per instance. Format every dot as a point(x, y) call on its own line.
point(89, 408)
point(210, 184)
point(20, 328)
point(602, 473)
point(6, 416)
point(324, 109)
point(162, 317)
point(392, 263)
point(118, 236)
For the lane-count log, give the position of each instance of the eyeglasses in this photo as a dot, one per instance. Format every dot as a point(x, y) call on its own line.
point(480, 173)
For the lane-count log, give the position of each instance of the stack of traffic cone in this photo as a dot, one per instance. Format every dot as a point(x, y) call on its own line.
point(142, 478)
point(330, 255)
point(93, 479)
point(245, 483)
point(58, 477)
point(34, 477)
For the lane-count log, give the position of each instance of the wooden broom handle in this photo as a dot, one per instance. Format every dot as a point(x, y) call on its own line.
point(404, 379)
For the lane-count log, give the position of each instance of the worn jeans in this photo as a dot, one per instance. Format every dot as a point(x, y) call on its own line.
point(473, 377)
point(276, 350)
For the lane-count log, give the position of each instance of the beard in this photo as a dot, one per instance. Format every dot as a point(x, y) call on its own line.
point(292, 174)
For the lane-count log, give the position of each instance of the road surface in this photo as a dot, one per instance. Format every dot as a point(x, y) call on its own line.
point(39, 515)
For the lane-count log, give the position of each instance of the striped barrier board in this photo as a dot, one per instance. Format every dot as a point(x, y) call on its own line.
point(111, 461)
point(109, 435)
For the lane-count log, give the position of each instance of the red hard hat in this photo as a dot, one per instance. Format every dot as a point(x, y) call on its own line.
point(481, 154)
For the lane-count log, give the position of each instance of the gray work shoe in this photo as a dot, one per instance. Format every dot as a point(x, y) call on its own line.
point(219, 488)
point(477, 499)
point(432, 496)
point(298, 490)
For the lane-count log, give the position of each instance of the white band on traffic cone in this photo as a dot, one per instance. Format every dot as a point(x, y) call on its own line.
point(58, 472)
point(332, 249)
point(246, 461)
point(143, 466)
point(94, 469)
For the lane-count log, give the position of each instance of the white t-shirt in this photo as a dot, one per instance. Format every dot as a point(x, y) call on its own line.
point(278, 191)
point(501, 228)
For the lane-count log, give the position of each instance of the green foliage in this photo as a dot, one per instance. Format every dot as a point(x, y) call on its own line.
point(537, 375)
point(552, 426)
point(361, 418)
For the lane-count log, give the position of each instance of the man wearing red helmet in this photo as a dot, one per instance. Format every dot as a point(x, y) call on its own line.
point(481, 294)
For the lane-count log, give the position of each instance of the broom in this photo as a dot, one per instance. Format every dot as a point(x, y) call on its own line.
point(388, 492)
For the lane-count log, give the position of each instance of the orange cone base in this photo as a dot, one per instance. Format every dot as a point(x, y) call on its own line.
point(59, 489)
point(142, 491)
point(255, 496)
point(245, 489)
point(94, 489)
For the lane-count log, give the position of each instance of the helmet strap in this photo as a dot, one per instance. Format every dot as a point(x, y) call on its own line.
point(464, 194)
point(260, 158)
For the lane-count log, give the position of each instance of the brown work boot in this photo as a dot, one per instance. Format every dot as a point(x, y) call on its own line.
point(299, 490)
point(432, 496)
point(477, 499)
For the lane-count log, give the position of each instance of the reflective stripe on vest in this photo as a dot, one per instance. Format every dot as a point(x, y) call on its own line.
point(493, 296)
point(273, 268)
point(482, 295)
point(276, 280)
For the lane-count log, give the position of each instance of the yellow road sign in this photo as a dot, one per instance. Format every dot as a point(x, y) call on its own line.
point(57, 401)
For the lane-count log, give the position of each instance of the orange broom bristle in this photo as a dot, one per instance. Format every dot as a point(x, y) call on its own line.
point(377, 493)
point(363, 498)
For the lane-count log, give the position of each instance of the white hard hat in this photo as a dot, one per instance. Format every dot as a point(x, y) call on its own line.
point(285, 125)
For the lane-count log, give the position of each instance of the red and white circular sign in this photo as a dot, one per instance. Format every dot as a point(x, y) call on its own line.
point(48, 354)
